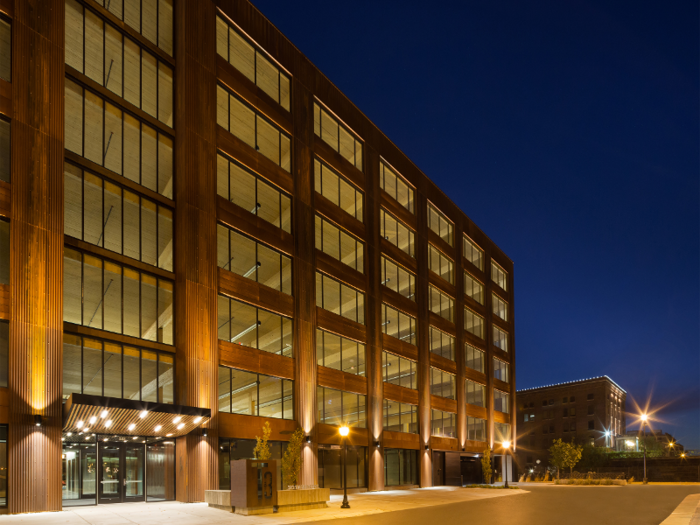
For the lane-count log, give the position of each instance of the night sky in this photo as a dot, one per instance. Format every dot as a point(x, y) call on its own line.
point(568, 132)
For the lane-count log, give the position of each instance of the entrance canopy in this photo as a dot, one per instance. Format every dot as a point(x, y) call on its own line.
point(108, 415)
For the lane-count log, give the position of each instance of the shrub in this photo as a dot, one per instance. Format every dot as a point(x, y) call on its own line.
point(291, 460)
point(262, 448)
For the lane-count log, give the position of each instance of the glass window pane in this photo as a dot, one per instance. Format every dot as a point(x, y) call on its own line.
point(92, 367)
point(112, 370)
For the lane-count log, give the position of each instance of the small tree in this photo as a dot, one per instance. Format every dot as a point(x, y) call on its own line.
point(557, 454)
point(292, 459)
point(486, 465)
point(262, 449)
point(573, 455)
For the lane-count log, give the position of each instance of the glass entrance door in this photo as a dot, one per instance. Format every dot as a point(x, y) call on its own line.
point(121, 472)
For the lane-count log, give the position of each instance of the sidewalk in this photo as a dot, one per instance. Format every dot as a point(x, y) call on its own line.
point(173, 513)
point(687, 513)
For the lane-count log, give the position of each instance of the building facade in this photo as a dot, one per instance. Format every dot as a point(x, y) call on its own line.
point(589, 411)
point(200, 234)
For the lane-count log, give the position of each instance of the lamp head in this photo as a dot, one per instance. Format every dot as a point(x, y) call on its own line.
point(643, 417)
point(506, 444)
point(607, 433)
point(344, 430)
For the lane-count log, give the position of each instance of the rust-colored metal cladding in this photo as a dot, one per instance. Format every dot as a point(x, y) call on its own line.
point(108, 415)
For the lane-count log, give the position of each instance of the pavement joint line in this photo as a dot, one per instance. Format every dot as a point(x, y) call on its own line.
point(686, 513)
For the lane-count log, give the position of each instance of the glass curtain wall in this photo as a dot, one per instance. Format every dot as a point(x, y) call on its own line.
point(400, 467)
point(79, 470)
point(330, 474)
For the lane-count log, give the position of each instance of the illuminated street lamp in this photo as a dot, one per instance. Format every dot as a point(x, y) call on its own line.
point(344, 431)
point(644, 418)
point(506, 446)
point(607, 435)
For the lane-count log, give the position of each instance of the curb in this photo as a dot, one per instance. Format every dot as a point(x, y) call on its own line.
point(686, 513)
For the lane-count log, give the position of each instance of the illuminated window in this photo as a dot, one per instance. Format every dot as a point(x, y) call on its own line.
point(337, 190)
point(499, 306)
point(442, 344)
point(473, 288)
point(400, 417)
point(502, 432)
point(102, 53)
point(396, 186)
point(500, 339)
point(473, 323)
point(396, 232)
point(260, 70)
point(4, 252)
point(476, 429)
point(473, 253)
point(440, 264)
point(440, 224)
point(399, 371)
point(5, 51)
point(500, 370)
point(243, 324)
point(442, 383)
point(253, 260)
point(443, 424)
point(396, 278)
point(4, 150)
point(499, 276)
point(476, 393)
point(474, 358)
point(338, 298)
point(340, 353)
point(398, 324)
point(252, 193)
point(251, 394)
point(501, 401)
point(441, 304)
point(337, 136)
point(336, 407)
point(251, 127)
point(104, 214)
point(341, 246)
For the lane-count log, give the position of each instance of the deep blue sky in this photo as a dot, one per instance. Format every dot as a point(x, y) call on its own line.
point(568, 131)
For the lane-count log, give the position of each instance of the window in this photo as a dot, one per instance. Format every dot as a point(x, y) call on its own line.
point(4, 352)
point(499, 276)
point(336, 407)
point(4, 150)
point(339, 298)
point(476, 429)
point(337, 190)
point(253, 194)
point(400, 417)
point(500, 339)
point(105, 55)
point(396, 278)
point(396, 186)
point(473, 323)
point(572, 399)
point(440, 224)
point(502, 432)
point(474, 358)
point(337, 136)
point(103, 368)
point(590, 396)
point(244, 122)
point(396, 232)
point(5, 51)
point(398, 324)
point(476, 393)
point(473, 288)
point(500, 307)
point(102, 213)
point(565, 412)
point(500, 370)
point(253, 63)
point(98, 293)
point(152, 18)
point(330, 461)
point(400, 467)
point(591, 425)
point(442, 383)
point(103, 134)
point(443, 424)
point(442, 344)
point(246, 325)
point(252, 394)
point(473, 253)
point(501, 401)
point(572, 427)
point(399, 371)
point(440, 264)
point(4, 252)
point(335, 242)
point(441, 304)
point(340, 353)
point(591, 410)
point(253, 260)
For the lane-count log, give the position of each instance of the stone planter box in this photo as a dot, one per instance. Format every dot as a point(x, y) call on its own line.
point(219, 499)
point(302, 499)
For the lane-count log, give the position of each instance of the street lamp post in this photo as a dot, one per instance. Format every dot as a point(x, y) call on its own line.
point(506, 446)
point(644, 420)
point(344, 431)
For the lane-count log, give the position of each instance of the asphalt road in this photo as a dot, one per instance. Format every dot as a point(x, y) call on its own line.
point(635, 504)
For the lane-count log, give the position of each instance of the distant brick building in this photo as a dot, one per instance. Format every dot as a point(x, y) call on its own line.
point(580, 411)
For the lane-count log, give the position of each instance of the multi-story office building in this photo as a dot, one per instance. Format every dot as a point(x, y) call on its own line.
point(589, 411)
point(202, 234)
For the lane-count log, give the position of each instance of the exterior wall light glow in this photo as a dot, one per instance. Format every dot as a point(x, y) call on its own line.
point(143, 414)
point(37, 420)
point(93, 419)
point(103, 414)
point(158, 427)
point(132, 426)
point(197, 420)
point(177, 419)
point(79, 424)
point(181, 426)
point(108, 423)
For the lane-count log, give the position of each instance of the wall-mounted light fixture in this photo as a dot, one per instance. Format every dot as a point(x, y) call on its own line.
point(37, 420)
point(427, 447)
point(376, 444)
point(308, 439)
point(205, 432)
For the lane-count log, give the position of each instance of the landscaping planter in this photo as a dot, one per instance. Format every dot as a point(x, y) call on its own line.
point(302, 499)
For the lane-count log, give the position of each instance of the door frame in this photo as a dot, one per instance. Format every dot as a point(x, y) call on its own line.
point(122, 446)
